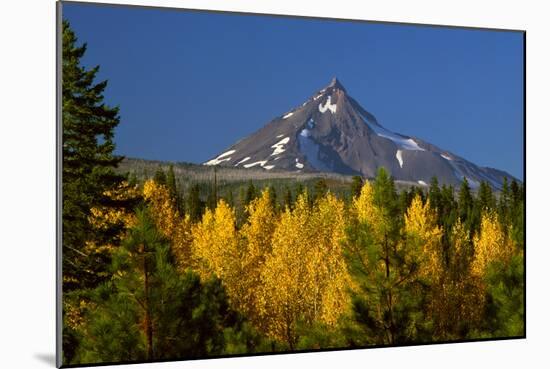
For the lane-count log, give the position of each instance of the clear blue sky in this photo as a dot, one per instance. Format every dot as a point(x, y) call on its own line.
point(189, 84)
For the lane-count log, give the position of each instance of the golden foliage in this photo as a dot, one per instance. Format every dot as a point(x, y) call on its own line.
point(423, 234)
point(255, 237)
point(237, 257)
point(170, 222)
point(363, 207)
point(74, 312)
point(491, 244)
point(258, 231)
point(216, 247)
point(104, 217)
point(328, 264)
point(305, 276)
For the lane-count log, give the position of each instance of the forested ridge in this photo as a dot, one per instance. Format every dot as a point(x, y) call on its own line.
point(155, 271)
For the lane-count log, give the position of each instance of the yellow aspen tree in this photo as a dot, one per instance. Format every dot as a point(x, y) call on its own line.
point(363, 207)
point(175, 227)
point(460, 252)
point(217, 251)
point(490, 244)
point(327, 263)
point(424, 237)
point(305, 276)
point(285, 277)
point(255, 237)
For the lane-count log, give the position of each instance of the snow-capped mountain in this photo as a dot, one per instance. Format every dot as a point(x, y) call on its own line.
point(331, 132)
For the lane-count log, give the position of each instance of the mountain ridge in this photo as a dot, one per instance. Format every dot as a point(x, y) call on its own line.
point(332, 132)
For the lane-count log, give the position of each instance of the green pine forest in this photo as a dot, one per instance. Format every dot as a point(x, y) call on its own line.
point(157, 266)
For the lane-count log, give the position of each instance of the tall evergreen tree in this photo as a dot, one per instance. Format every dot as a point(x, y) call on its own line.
point(356, 185)
point(229, 198)
point(404, 200)
point(434, 194)
point(160, 176)
point(517, 212)
point(250, 194)
point(171, 180)
point(320, 189)
point(273, 197)
point(88, 163)
point(287, 198)
point(465, 200)
point(299, 189)
point(172, 185)
point(195, 206)
point(504, 203)
point(516, 193)
point(211, 198)
point(385, 197)
point(389, 301)
point(485, 197)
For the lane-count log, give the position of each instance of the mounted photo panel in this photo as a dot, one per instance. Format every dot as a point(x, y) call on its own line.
point(238, 184)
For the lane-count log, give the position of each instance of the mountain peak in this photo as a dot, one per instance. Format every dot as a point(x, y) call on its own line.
point(335, 83)
point(331, 132)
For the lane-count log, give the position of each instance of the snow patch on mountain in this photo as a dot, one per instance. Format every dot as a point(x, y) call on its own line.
point(298, 164)
point(219, 159)
point(328, 106)
point(420, 182)
point(403, 142)
point(399, 157)
point(269, 167)
point(288, 115)
point(243, 160)
point(279, 146)
point(447, 157)
point(261, 163)
point(226, 153)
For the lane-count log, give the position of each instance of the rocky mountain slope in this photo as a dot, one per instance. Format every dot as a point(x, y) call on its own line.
point(331, 132)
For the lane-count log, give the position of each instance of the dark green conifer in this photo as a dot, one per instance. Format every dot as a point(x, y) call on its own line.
point(287, 199)
point(320, 189)
point(356, 186)
point(88, 161)
point(194, 204)
point(160, 176)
